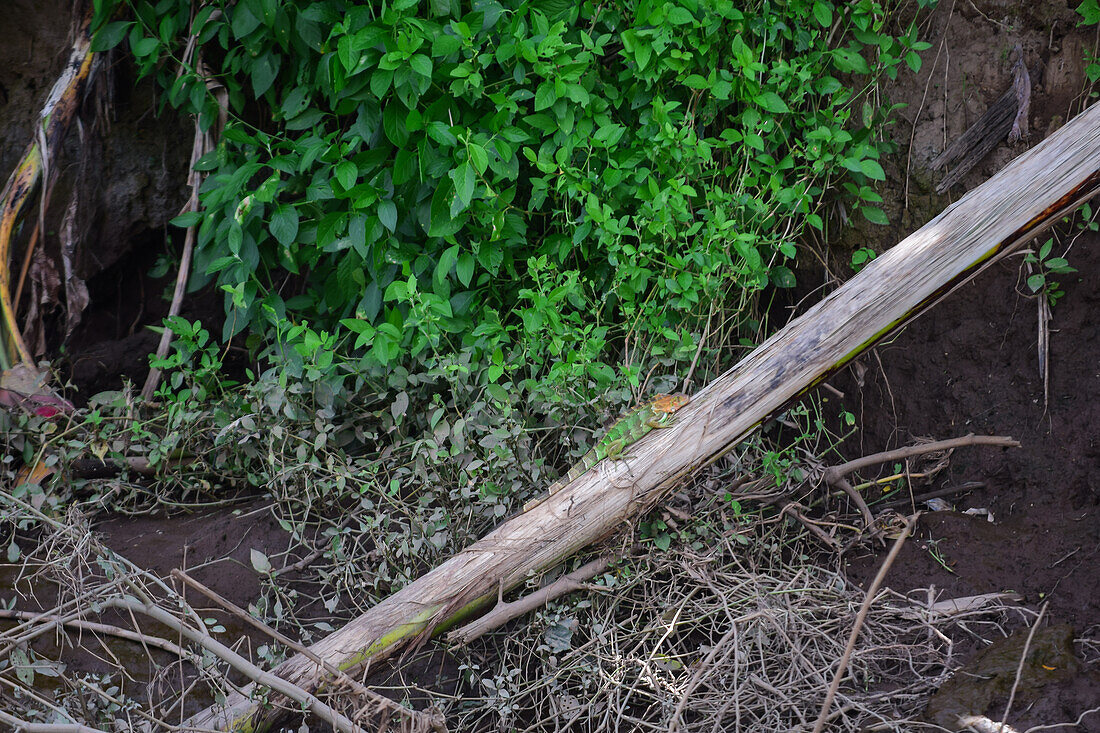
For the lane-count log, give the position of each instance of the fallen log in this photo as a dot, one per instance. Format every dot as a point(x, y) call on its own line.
point(1011, 208)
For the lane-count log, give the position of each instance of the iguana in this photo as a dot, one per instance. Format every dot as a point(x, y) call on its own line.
point(654, 414)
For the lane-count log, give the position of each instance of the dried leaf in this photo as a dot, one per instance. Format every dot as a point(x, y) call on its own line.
point(76, 292)
point(399, 406)
point(260, 562)
point(45, 292)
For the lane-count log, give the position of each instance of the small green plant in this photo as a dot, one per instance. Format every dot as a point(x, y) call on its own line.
point(1041, 282)
point(861, 257)
point(783, 465)
point(933, 546)
point(194, 349)
point(656, 531)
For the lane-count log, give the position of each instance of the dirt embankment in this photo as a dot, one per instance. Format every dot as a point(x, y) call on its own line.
point(971, 364)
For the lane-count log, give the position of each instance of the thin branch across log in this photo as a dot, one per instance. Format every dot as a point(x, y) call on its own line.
point(998, 216)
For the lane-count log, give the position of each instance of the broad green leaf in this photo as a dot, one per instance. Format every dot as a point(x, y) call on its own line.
point(24, 668)
point(498, 393)
point(235, 238)
point(111, 35)
point(545, 96)
point(441, 223)
point(874, 215)
point(847, 60)
point(696, 81)
point(187, 219)
point(400, 406)
point(1090, 12)
point(295, 102)
point(465, 268)
point(913, 61)
point(772, 103)
point(144, 46)
point(393, 122)
point(447, 261)
point(387, 214)
point(244, 22)
point(346, 173)
point(421, 64)
point(264, 70)
point(380, 82)
point(348, 52)
point(478, 157)
point(463, 176)
point(284, 224)
point(679, 16)
point(578, 94)
point(260, 563)
point(872, 169)
point(441, 7)
point(445, 44)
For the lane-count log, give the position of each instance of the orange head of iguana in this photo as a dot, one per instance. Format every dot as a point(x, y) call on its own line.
point(667, 404)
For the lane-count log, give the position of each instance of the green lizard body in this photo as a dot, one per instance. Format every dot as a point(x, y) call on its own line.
point(654, 414)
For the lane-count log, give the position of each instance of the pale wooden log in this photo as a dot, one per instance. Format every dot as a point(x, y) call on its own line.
point(1009, 209)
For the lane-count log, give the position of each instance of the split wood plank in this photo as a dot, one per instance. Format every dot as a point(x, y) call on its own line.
point(968, 149)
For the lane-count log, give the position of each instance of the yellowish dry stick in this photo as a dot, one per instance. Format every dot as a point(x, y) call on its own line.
point(842, 665)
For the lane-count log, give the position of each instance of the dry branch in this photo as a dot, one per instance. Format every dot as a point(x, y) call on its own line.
point(381, 708)
point(24, 726)
point(991, 220)
point(504, 612)
point(872, 591)
point(203, 142)
point(834, 476)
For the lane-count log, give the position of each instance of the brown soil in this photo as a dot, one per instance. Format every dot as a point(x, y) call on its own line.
point(970, 365)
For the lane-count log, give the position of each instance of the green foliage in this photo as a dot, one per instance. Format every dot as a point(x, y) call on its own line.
point(532, 183)
point(412, 486)
point(192, 347)
point(861, 257)
point(1045, 266)
point(1089, 11)
point(1042, 267)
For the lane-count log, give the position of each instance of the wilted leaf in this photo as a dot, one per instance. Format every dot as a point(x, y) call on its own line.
point(400, 405)
point(260, 561)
